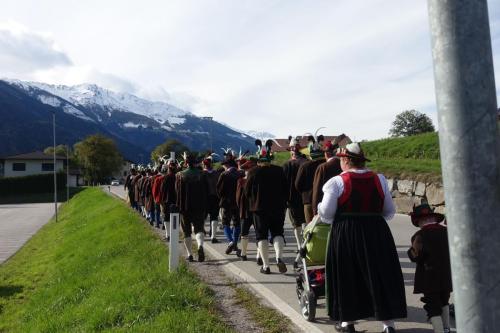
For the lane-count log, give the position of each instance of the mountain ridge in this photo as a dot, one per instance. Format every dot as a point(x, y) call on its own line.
point(138, 125)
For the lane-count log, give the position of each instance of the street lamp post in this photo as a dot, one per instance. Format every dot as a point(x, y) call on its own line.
point(67, 173)
point(210, 131)
point(55, 173)
point(468, 139)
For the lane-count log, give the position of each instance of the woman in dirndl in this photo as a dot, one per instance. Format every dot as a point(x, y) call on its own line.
point(363, 274)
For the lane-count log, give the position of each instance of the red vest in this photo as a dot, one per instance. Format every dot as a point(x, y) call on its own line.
point(363, 194)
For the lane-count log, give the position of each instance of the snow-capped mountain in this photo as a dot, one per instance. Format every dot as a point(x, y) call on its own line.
point(137, 125)
point(88, 95)
point(259, 134)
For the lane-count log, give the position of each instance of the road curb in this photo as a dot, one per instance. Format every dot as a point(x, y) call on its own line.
point(265, 293)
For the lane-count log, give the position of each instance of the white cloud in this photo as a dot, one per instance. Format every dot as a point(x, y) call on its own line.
point(22, 51)
point(285, 67)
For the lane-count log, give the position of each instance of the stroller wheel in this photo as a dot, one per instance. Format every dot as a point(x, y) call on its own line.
point(308, 306)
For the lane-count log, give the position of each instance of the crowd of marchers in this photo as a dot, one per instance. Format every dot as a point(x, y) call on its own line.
point(324, 182)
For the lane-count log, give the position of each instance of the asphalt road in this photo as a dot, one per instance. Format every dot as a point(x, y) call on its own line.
point(18, 222)
point(279, 289)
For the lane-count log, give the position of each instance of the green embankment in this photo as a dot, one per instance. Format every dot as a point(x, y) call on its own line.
point(100, 269)
point(415, 157)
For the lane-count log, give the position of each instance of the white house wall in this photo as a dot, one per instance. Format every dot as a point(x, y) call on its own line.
point(33, 167)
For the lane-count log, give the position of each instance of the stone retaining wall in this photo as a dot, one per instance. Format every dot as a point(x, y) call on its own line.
point(406, 193)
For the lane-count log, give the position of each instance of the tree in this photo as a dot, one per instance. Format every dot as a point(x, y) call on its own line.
point(99, 157)
point(411, 122)
point(166, 147)
point(60, 150)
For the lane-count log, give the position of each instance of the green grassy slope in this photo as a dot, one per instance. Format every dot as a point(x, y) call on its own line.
point(415, 157)
point(423, 146)
point(100, 269)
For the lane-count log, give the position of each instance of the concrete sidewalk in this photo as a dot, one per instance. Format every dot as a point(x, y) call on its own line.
point(279, 289)
point(18, 222)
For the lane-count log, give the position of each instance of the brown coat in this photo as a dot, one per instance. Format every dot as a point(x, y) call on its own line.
point(147, 192)
point(241, 199)
point(167, 189)
point(291, 168)
point(430, 251)
point(137, 188)
point(323, 173)
point(305, 178)
point(226, 188)
point(266, 189)
point(191, 187)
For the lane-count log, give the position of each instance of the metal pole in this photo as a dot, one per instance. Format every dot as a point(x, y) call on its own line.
point(55, 172)
point(468, 136)
point(173, 262)
point(211, 130)
point(67, 173)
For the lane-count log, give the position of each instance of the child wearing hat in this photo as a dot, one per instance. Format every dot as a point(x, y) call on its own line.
point(429, 250)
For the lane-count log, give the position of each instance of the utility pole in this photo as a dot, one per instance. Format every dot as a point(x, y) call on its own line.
point(469, 144)
point(67, 173)
point(211, 119)
point(55, 172)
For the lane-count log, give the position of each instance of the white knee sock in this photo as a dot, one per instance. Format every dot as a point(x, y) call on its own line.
point(388, 323)
point(437, 324)
point(279, 244)
point(188, 243)
point(345, 323)
point(297, 231)
point(199, 239)
point(214, 228)
point(264, 252)
point(244, 245)
point(445, 316)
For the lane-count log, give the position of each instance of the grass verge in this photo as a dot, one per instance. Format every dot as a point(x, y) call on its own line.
point(100, 269)
point(268, 318)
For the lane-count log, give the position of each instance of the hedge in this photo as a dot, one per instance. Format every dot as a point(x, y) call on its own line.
point(31, 184)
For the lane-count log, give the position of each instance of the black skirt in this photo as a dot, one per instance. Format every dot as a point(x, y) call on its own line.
point(363, 274)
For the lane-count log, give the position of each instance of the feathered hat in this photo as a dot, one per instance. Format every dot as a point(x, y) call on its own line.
point(209, 159)
point(264, 154)
point(315, 144)
point(294, 143)
point(229, 158)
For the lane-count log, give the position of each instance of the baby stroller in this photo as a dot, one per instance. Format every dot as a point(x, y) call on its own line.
point(311, 280)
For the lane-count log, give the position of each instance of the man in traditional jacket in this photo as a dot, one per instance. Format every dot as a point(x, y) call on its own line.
point(192, 195)
point(245, 215)
point(433, 274)
point(326, 170)
point(213, 200)
point(168, 194)
point(129, 187)
point(147, 195)
point(305, 177)
point(294, 198)
point(266, 190)
point(138, 181)
point(157, 195)
point(226, 190)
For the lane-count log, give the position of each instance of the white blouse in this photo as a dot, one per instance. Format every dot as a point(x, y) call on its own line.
point(333, 189)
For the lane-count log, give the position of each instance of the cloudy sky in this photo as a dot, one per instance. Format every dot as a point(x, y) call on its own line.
point(286, 67)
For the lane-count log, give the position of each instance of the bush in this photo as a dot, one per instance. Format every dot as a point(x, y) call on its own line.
point(31, 184)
